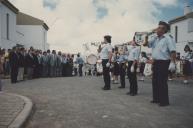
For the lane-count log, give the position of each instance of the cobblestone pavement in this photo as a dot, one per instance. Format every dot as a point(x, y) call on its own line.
point(10, 107)
point(80, 103)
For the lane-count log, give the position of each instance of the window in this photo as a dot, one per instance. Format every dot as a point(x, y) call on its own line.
point(7, 26)
point(190, 25)
point(176, 34)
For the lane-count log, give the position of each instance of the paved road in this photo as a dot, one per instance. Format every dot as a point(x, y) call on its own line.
point(80, 103)
point(10, 107)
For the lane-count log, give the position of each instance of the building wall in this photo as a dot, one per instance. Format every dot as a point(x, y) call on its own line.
point(7, 43)
point(0, 23)
point(34, 35)
point(184, 36)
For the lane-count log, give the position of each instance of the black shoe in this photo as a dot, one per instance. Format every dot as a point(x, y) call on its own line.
point(132, 94)
point(121, 87)
point(105, 88)
point(128, 93)
point(154, 102)
point(164, 105)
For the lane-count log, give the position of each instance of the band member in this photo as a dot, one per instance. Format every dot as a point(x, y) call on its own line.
point(80, 63)
point(14, 64)
point(132, 68)
point(112, 66)
point(142, 62)
point(163, 50)
point(106, 55)
point(187, 71)
point(115, 61)
point(122, 67)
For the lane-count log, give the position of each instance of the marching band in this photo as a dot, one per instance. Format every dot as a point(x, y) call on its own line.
point(163, 56)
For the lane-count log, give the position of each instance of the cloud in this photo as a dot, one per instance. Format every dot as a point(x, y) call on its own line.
point(74, 22)
point(167, 2)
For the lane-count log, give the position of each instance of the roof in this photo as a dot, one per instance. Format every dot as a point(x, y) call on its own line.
point(10, 6)
point(24, 19)
point(181, 18)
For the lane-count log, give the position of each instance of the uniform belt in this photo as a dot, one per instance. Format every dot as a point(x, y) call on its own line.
point(161, 60)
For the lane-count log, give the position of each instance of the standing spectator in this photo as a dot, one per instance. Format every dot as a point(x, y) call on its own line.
point(14, 64)
point(40, 65)
point(7, 63)
point(49, 66)
point(30, 64)
point(44, 61)
point(64, 63)
point(59, 64)
point(187, 71)
point(53, 60)
point(36, 64)
point(70, 61)
point(21, 64)
point(1, 69)
point(80, 63)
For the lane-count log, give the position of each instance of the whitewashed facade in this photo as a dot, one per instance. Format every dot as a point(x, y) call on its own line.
point(34, 31)
point(34, 35)
point(8, 15)
point(22, 29)
point(182, 30)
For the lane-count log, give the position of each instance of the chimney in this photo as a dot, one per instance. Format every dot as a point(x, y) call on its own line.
point(187, 9)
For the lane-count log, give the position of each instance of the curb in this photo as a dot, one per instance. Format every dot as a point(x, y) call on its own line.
point(24, 115)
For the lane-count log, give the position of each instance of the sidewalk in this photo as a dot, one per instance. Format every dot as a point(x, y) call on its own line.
point(14, 110)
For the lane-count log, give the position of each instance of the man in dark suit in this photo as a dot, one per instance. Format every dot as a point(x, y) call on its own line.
point(36, 64)
point(30, 64)
point(21, 64)
point(14, 64)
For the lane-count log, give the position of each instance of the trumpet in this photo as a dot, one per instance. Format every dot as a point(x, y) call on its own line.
point(140, 36)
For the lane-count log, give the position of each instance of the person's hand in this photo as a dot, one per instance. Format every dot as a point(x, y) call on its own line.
point(149, 61)
point(172, 66)
point(132, 68)
point(108, 65)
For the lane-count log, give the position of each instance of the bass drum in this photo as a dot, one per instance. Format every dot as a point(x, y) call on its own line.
point(91, 59)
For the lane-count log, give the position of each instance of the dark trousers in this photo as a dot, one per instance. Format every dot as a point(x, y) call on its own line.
point(132, 78)
point(106, 74)
point(14, 73)
point(122, 74)
point(80, 69)
point(64, 69)
point(159, 81)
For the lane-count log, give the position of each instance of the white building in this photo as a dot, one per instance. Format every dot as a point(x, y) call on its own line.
point(182, 29)
point(8, 13)
point(31, 32)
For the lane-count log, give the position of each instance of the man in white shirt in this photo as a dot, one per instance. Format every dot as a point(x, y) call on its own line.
point(163, 53)
point(106, 55)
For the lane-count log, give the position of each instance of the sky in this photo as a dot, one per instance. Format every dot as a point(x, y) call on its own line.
point(75, 22)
